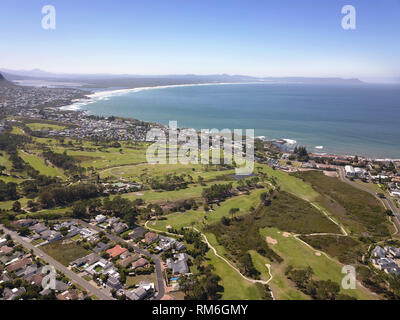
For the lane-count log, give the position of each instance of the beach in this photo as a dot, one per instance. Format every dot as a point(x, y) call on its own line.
point(344, 120)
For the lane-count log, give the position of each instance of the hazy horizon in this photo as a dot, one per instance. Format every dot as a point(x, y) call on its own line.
point(256, 38)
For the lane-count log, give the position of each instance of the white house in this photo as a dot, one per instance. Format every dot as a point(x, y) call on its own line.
point(350, 172)
point(100, 218)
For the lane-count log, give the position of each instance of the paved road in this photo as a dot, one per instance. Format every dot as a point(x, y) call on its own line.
point(155, 258)
point(70, 274)
point(363, 188)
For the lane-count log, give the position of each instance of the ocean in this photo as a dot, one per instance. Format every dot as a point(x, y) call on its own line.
point(341, 119)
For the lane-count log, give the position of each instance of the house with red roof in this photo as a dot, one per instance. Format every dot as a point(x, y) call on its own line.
point(116, 251)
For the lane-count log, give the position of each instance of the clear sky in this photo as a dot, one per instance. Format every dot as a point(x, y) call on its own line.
point(253, 37)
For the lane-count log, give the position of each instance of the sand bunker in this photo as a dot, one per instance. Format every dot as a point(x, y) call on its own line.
point(286, 234)
point(318, 254)
point(271, 240)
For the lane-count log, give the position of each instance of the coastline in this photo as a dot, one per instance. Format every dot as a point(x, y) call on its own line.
point(93, 97)
point(105, 94)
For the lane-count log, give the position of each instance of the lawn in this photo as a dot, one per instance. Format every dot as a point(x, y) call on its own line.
point(133, 281)
point(65, 253)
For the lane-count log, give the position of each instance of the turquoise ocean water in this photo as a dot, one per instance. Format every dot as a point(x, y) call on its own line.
point(350, 119)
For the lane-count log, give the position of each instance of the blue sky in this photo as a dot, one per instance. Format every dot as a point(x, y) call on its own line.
point(261, 38)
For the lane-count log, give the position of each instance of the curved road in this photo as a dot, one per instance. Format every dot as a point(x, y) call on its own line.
point(70, 274)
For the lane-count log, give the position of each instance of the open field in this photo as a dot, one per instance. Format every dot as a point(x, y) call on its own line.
point(293, 214)
point(235, 287)
point(299, 255)
point(65, 253)
point(178, 220)
point(132, 281)
point(359, 211)
point(41, 126)
point(38, 163)
point(281, 287)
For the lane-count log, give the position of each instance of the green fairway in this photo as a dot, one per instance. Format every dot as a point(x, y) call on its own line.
point(178, 220)
point(281, 287)
point(299, 255)
point(291, 184)
point(41, 126)
point(37, 163)
point(235, 287)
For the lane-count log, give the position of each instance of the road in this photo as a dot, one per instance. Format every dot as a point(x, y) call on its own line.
point(70, 274)
point(155, 258)
point(386, 202)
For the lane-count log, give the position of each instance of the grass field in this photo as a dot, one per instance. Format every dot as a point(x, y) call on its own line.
point(299, 255)
point(17, 130)
point(101, 158)
point(281, 287)
point(178, 220)
point(37, 163)
point(144, 170)
point(65, 253)
point(132, 281)
point(41, 126)
point(358, 210)
point(235, 287)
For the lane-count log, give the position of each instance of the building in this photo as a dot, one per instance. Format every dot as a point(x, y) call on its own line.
point(350, 172)
point(141, 263)
point(100, 218)
point(179, 266)
point(150, 237)
point(116, 251)
point(114, 283)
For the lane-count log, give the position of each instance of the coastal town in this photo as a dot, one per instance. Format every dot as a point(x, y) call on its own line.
point(77, 195)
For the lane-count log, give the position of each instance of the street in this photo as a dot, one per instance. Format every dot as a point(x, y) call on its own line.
point(156, 259)
point(70, 274)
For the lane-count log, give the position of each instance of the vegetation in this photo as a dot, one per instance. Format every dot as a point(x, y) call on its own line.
point(356, 209)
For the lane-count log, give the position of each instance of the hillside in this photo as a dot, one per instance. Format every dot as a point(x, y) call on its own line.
point(4, 82)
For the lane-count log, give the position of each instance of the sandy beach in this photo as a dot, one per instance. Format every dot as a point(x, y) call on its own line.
point(104, 95)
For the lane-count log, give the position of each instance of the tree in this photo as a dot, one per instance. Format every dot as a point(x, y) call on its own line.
point(233, 211)
point(16, 207)
point(79, 210)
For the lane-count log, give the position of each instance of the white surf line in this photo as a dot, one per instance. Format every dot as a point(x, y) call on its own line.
point(93, 97)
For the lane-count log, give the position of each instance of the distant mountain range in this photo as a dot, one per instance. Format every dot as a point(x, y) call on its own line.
point(4, 82)
point(131, 81)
